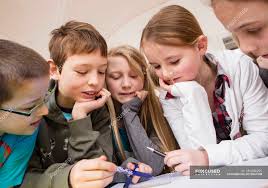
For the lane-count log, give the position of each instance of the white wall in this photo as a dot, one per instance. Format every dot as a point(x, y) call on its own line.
point(30, 22)
point(130, 33)
point(120, 21)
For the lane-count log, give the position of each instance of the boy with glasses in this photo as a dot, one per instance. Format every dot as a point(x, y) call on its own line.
point(24, 77)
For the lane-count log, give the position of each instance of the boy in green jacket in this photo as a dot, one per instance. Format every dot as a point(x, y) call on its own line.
point(76, 132)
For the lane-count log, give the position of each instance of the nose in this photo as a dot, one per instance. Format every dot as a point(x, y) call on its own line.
point(126, 82)
point(93, 79)
point(166, 73)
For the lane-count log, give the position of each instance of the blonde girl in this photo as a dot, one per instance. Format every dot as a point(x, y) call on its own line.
point(139, 117)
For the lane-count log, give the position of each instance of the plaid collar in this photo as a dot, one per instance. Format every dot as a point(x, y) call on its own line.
point(221, 119)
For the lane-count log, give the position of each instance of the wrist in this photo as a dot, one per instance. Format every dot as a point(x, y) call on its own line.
point(79, 116)
point(205, 157)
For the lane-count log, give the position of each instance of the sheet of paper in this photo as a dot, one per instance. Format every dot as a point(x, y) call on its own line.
point(155, 181)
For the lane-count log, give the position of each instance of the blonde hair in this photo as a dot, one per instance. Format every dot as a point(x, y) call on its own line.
point(172, 25)
point(151, 108)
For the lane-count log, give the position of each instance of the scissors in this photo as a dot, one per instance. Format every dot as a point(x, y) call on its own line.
point(131, 173)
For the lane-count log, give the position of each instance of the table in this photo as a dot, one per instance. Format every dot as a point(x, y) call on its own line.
point(174, 180)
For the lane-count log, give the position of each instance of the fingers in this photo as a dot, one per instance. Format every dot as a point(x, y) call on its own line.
point(164, 85)
point(263, 62)
point(130, 166)
point(142, 168)
point(171, 154)
point(97, 164)
point(186, 173)
point(97, 103)
point(161, 83)
point(182, 168)
point(103, 157)
point(142, 94)
point(136, 179)
point(173, 161)
point(179, 160)
point(104, 92)
point(182, 159)
point(96, 184)
point(92, 172)
point(82, 108)
point(95, 175)
point(145, 168)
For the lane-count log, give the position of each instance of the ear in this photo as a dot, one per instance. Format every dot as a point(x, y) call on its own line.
point(202, 44)
point(53, 70)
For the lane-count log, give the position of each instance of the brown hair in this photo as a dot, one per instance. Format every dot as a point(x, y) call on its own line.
point(172, 25)
point(213, 2)
point(75, 38)
point(17, 64)
point(151, 108)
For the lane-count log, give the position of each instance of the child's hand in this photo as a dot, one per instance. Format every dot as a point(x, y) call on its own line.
point(142, 94)
point(263, 62)
point(142, 168)
point(92, 173)
point(81, 109)
point(181, 160)
point(165, 86)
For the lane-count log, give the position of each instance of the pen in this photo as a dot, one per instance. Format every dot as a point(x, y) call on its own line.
point(160, 154)
point(156, 152)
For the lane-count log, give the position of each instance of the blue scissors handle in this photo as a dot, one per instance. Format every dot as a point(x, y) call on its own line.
point(136, 173)
point(142, 174)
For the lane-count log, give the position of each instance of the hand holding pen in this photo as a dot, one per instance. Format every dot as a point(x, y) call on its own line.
point(182, 159)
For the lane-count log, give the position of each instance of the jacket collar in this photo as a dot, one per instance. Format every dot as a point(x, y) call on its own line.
point(55, 112)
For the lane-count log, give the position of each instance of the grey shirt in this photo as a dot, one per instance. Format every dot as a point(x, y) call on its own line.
point(139, 139)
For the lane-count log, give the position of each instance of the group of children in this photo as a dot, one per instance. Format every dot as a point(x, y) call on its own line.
point(102, 109)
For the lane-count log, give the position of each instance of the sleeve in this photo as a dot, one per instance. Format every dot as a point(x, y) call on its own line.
point(87, 139)
point(189, 115)
point(90, 137)
point(138, 137)
point(56, 175)
point(255, 122)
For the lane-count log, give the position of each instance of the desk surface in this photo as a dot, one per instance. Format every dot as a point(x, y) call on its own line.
point(175, 180)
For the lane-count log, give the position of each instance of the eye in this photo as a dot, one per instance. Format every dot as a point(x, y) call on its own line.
point(81, 72)
point(102, 72)
point(156, 66)
point(114, 77)
point(133, 76)
point(28, 109)
point(254, 30)
point(175, 62)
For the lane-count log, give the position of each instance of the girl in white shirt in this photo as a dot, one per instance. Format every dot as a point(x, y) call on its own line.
point(205, 93)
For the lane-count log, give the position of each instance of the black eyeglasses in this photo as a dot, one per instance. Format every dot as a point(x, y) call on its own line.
point(26, 113)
